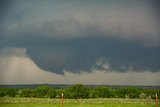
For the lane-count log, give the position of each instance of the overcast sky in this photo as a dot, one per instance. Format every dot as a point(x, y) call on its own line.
point(114, 42)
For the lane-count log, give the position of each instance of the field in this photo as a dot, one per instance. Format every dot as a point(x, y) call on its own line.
point(76, 105)
point(99, 102)
point(78, 96)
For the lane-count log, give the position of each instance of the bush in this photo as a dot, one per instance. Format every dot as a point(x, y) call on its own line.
point(142, 96)
point(102, 92)
point(77, 91)
point(27, 93)
point(9, 92)
point(81, 91)
point(45, 92)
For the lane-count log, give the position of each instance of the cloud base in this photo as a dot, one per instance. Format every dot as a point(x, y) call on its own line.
point(17, 68)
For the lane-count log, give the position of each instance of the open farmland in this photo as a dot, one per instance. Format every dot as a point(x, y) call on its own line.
point(78, 96)
point(76, 105)
point(96, 102)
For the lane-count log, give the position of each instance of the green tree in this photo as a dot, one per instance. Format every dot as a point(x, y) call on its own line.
point(10, 92)
point(51, 93)
point(78, 91)
point(45, 92)
point(2, 93)
point(120, 92)
point(59, 93)
point(103, 92)
point(132, 92)
point(92, 93)
point(142, 96)
point(27, 93)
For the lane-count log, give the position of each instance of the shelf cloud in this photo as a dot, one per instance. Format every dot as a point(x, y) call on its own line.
point(17, 68)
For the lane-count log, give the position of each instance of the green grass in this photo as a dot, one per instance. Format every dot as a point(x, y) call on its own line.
point(76, 105)
point(99, 102)
point(9, 100)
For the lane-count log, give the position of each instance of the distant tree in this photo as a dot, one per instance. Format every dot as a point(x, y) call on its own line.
point(142, 96)
point(132, 92)
point(78, 91)
point(59, 92)
point(152, 92)
point(27, 93)
point(2, 93)
point(51, 93)
point(120, 92)
point(45, 92)
point(92, 93)
point(103, 92)
point(9, 92)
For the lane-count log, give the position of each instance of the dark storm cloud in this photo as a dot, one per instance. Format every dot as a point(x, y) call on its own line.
point(30, 73)
point(156, 9)
point(74, 34)
point(82, 54)
point(88, 41)
point(124, 19)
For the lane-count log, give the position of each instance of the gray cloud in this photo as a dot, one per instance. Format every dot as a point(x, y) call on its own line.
point(67, 20)
point(99, 38)
point(29, 73)
point(81, 54)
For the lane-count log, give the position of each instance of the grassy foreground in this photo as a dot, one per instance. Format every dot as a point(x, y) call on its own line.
point(9, 100)
point(76, 105)
point(99, 102)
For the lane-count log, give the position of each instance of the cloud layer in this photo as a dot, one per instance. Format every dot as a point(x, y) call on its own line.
point(17, 68)
point(88, 41)
point(128, 20)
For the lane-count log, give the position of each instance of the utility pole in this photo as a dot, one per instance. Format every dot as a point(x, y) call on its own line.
point(156, 100)
point(62, 100)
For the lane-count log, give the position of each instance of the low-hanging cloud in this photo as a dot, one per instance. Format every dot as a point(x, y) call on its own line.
point(17, 68)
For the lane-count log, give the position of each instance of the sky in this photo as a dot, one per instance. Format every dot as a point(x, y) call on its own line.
point(109, 42)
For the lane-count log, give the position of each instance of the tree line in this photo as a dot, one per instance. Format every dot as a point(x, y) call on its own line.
point(80, 91)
